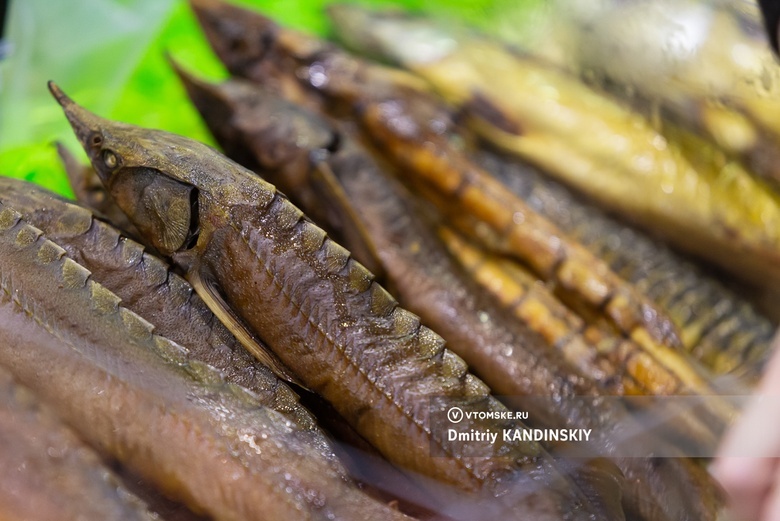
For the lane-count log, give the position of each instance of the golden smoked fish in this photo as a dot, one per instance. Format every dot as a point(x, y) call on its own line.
point(717, 327)
point(723, 81)
point(243, 244)
point(48, 473)
point(587, 140)
point(137, 397)
point(585, 346)
point(280, 139)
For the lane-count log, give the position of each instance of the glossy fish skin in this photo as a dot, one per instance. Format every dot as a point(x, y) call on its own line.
point(380, 103)
point(402, 126)
point(319, 310)
point(48, 472)
point(426, 279)
point(148, 287)
point(200, 440)
point(423, 275)
point(531, 302)
point(591, 142)
point(720, 329)
point(172, 306)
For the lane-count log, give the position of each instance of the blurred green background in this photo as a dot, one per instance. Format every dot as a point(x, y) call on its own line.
point(108, 55)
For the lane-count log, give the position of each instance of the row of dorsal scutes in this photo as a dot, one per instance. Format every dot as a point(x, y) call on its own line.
point(400, 358)
point(235, 433)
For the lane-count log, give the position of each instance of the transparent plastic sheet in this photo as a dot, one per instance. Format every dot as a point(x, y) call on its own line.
point(104, 76)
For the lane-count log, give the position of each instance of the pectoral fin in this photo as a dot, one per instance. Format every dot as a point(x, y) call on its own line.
point(207, 289)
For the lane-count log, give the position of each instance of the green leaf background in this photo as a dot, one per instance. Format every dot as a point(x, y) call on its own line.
point(117, 67)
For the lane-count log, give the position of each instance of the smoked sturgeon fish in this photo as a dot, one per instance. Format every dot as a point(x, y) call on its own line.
point(283, 138)
point(709, 207)
point(717, 327)
point(148, 287)
point(406, 123)
point(253, 256)
point(137, 397)
point(252, 46)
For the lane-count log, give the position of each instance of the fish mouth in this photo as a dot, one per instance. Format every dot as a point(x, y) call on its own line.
point(85, 124)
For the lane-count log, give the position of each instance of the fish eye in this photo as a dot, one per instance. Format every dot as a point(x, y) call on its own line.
point(110, 159)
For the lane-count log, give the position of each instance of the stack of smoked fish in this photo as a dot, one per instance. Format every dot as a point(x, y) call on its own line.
point(281, 334)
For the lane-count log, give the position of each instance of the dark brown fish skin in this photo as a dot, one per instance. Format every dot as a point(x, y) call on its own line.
point(319, 310)
point(180, 315)
point(422, 274)
point(512, 359)
point(718, 328)
point(358, 87)
point(43, 209)
point(199, 439)
point(148, 287)
point(426, 279)
point(408, 126)
point(48, 472)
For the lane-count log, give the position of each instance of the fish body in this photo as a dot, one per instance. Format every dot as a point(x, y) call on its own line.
point(707, 65)
point(200, 440)
point(717, 327)
point(342, 334)
point(252, 122)
point(148, 287)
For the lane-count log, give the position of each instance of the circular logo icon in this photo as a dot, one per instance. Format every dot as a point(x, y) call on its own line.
point(455, 414)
